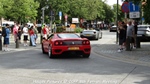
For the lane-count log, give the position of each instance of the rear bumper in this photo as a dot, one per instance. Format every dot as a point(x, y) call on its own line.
point(59, 50)
point(91, 36)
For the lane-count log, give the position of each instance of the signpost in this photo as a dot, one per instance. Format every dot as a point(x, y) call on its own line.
point(60, 15)
point(125, 8)
point(134, 10)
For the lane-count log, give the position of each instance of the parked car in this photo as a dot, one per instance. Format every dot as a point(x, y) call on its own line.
point(143, 31)
point(93, 33)
point(113, 28)
point(66, 43)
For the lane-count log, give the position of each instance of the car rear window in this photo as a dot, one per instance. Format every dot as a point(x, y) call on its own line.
point(68, 36)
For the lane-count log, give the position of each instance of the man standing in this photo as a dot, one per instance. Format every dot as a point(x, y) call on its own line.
point(130, 35)
point(6, 37)
point(25, 35)
point(54, 28)
point(135, 33)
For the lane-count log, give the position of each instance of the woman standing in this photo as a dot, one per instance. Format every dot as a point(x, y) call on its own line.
point(19, 34)
point(32, 36)
point(122, 36)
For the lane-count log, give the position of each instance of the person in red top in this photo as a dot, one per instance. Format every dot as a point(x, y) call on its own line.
point(32, 36)
point(44, 30)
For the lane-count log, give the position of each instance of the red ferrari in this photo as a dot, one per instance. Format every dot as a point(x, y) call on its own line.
point(66, 43)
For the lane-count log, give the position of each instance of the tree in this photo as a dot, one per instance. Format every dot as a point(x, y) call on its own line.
point(146, 11)
point(120, 13)
point(5, 6)
point(21, 10)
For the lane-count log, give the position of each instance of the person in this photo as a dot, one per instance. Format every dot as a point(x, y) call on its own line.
point(44, 31)
point(6, 37)
point(54, 28)
point(25, 34)
point(122, 36)
point(135, 33)
point(35, 33)
point(15, 32)
point(32, 36)
point(130, 35)
point(19, 33)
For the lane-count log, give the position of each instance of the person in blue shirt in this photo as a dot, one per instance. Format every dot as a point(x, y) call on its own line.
point(6, 37)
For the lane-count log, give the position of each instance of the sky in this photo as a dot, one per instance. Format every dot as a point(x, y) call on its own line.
point(111, 2)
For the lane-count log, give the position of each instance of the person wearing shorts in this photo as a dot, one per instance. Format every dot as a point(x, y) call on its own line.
point(6, 38)
point(25, 35)
point(122, 37)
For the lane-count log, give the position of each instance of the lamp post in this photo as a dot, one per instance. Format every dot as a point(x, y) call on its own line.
point(117, 24)
point(43, 14)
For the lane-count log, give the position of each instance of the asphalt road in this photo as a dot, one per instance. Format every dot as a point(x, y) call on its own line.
point(33, 67)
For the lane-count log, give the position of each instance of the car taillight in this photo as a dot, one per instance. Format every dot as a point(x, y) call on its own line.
point(86, 42)
point(58, 43)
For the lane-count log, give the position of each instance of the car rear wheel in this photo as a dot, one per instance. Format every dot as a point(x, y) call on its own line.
point(101, 36)
point(43, 50)
point(86, 55)
point(97, 37)
point(50, 55)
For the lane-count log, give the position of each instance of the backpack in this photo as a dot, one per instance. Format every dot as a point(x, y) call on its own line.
point(4, 32)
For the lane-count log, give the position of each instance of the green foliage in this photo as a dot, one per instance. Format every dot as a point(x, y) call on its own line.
point(19, 10)
point(146, 11)
point(78, 30)
point(59, 29)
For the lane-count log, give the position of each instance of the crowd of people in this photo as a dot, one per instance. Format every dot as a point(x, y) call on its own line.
point(127, 33)
point(30, 33)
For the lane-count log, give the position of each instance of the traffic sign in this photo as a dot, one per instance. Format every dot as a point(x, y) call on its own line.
point(60, 13)
point(133, 7)
point(125, 7)
point(134, 14)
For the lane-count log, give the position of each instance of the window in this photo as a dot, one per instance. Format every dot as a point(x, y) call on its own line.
point(68, 36)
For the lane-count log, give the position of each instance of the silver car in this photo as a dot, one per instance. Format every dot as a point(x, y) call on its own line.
point(93, 34)
point(143, 30)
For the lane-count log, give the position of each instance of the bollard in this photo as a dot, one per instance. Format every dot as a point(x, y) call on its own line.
point(17, 43)
point(0, 42)
point(138, 45)
point(128, 44)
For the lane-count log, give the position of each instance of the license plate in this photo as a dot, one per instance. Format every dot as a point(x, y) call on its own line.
point(87, 35)
point(73, 48)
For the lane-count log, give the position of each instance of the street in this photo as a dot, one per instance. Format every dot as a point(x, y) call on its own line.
point(32, 67)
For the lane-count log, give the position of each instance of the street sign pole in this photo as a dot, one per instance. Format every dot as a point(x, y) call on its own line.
point(125, 15)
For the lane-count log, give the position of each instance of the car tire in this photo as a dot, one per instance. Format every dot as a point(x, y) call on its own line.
point(43, 50)
point(101, 35)
point(96, 38)
point(50, 55)
point(86, 55)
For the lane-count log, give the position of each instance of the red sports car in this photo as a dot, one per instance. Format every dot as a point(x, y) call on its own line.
point(66, 43)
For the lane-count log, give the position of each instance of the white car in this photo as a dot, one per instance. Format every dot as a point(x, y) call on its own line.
point(93, 34)
point(143, 30)
point(113, 28)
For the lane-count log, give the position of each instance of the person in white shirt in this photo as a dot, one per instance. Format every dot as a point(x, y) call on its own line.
point(25, 34)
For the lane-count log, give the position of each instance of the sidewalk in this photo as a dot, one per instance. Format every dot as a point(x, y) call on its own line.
point(12, 45)
point(139, 55)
